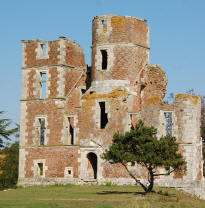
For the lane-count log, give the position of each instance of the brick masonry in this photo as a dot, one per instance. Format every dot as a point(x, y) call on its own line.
point(130, 88)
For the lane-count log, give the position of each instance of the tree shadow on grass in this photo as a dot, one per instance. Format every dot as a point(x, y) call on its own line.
point(164, 193)
point(5, 188)
point(120, 192)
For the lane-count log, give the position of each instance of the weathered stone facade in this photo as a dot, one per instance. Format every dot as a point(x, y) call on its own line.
point(70, 112)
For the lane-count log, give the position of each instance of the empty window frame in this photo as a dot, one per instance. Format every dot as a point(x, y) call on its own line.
point(104, 22)
point(131, 123)
point(40, 169)
point(43, 49)
point(132, 163)
point(103, 115)
point(168, 123)
point(70, 129)
point(141, 92)
point(42, 130)
point(68, 172)
point(83, 91)
point(104, 59)
point(43, 84)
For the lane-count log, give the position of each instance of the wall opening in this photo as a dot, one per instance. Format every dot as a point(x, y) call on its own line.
point(42, 130)
point(104, 22)
point(103, 115)
point(141, 93)
point(43, 85)
point(142, 90)
point(40, 167)
point(168, 118)
point(43, 48)
point(68, 172)
point(132, 163)
point(83, 91)
point(92, 166)
point(131, 123)
point(104, 59)
point(70, 129)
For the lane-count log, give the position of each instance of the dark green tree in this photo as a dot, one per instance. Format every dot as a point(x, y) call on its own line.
point(5, 133)
point(141, 145)
point(9, 162)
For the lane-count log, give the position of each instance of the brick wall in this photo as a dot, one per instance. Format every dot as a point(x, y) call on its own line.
point(56, 160)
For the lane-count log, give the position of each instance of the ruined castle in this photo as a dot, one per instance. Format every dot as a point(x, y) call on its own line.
point(70, 112)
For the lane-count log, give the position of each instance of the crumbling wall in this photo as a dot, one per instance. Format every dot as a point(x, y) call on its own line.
point(61, 69)
point(126, 41)
point(187, 110)
point(82, 113)
point(152, 89)
point(114, 28)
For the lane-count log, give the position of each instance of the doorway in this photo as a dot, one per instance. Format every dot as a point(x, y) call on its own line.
point(91, 166)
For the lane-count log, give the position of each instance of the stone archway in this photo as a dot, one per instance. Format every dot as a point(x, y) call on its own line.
point(91, 165)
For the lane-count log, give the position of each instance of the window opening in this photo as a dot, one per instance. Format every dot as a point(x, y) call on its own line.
point(70, 127)
point(43, 85)
point(141, 90)
point(43, 47)
point(40, 166)
point(69, 172)
point(103, 115)
point(42, 130)
point(168, 118)
point(141, 93)
point(104, 22)
point(83, 91)
point(131, 126)
point(104, 59)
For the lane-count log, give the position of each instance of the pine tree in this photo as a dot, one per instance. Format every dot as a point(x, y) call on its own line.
point(142, 146)
point(5, 133)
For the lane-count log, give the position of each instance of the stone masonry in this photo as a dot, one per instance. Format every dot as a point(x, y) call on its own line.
point(70, 112)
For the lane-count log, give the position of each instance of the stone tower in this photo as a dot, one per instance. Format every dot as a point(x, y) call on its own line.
point(51, 69)
point(120, 48)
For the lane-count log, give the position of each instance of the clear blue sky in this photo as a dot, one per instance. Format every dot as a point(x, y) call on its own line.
point(177, 32)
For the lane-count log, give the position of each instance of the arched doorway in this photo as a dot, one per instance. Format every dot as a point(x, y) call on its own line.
point(92, 166)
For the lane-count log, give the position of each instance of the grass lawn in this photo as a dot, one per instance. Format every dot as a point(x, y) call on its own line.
point(95, 196)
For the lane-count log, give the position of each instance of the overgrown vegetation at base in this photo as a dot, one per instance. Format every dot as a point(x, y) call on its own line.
point(73, 196)
point(9, 153)
point(9, 162)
